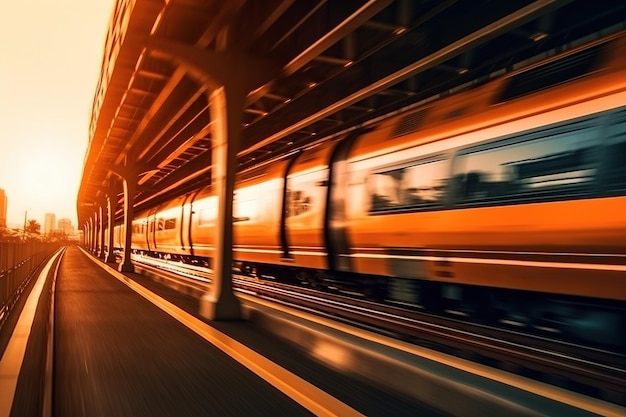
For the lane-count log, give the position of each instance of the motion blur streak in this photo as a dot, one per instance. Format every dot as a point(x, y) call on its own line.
point(306, 394)
point(598, 267)
point(548, 391)
point(11, 361)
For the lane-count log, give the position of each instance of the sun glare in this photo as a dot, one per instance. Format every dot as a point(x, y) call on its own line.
point(46, 176)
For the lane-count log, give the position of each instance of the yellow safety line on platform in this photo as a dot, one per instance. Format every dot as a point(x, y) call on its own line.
point(11, 362)
point(306, 394)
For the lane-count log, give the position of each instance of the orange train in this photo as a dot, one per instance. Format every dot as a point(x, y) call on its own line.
point(505, 202)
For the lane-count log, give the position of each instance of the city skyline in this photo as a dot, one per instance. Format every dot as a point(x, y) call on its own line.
point(19, 224)
point(49, 224)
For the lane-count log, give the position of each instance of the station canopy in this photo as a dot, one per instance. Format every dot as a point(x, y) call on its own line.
point(340, 64)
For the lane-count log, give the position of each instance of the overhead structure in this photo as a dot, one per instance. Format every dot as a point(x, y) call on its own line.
point(340, 63)
point(311, 69)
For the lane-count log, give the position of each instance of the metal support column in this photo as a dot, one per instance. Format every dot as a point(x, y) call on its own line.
point(101, 225)
point(226, 104)
point(92, 238)
point(96, 237)
point(111, 196)
point(129, 175)
point(87, 235)
point(228, 75)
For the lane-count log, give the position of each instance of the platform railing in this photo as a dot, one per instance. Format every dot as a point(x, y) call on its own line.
point(18, 263)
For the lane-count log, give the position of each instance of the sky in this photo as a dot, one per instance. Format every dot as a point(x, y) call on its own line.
point(50, 59)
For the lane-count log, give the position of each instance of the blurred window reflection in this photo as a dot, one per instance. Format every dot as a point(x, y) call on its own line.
point(559, 161)
point(170, 223)
point(574, 159)
point(208, 213)
point(297, 203)
point(418, 186)
point(205, 217)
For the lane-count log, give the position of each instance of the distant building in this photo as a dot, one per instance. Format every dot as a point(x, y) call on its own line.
point(65, 227)
point(3, 208)
point(49, 224)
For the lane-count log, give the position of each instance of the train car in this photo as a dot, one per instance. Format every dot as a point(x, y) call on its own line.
point(504, 202)
point(480, 204)
point(502, 197)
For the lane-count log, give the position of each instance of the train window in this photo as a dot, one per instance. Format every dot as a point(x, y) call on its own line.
point(419, 186)
point(305, 190)
point(556, 162)
point(160, 224)
point(207, 211)
point(297, 202)
point(245, 204)
point(170, 224)
point(205, 216)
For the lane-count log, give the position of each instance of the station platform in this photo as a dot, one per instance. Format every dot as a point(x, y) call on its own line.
point(104, 343)
point(118, 353)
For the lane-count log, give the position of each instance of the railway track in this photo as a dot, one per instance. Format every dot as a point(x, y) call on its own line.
point(588, 370)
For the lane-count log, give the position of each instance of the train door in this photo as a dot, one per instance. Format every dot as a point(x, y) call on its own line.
point(335, 223)
point(305, 206)
point(284, 240)
point(188, 220)
point(150, 230)
point(185, 216)
point(144, 229)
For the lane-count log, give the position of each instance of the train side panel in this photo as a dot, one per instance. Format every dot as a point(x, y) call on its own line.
point(257, 208)
point(507, 227)
point(138, 238)
point(168, 228)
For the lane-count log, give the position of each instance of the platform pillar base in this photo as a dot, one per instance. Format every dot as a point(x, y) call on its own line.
point(126, 267)
point(222, 309)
